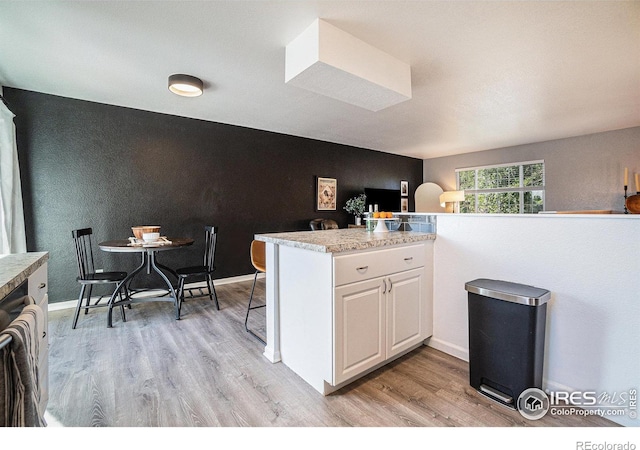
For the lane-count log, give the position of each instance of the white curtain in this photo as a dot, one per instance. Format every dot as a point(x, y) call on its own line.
point(12, 231)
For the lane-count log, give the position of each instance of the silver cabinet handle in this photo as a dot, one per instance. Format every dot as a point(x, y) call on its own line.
point(409, 258)
point(42, 285)
point(362, 269)
point(384, 291)
point(390, 285)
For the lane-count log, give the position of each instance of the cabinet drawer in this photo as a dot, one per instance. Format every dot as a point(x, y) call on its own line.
point(38, 287)
point(365, 265)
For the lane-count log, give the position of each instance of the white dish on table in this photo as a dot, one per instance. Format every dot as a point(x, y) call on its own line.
point(150, 237)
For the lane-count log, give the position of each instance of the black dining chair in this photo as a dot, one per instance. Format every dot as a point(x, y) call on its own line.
point(89, 277)
point(205, 270)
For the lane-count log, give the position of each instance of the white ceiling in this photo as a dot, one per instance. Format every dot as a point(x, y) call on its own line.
point(484, 74)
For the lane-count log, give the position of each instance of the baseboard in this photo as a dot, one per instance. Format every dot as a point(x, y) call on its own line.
point(57, 306)
point(552, 386)
point(448, 348)
point(463, 354)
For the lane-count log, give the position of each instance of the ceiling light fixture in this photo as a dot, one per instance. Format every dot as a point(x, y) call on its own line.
point(185, 85)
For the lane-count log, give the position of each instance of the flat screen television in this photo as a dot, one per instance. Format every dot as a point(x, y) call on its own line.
point(386, 199)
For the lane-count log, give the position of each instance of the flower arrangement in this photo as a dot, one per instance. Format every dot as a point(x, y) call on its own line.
point(356, 205)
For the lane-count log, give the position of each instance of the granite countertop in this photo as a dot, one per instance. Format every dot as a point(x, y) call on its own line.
point(343, 240)
point(17, 267)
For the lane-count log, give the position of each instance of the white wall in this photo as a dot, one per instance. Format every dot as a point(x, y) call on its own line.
point(591, 265)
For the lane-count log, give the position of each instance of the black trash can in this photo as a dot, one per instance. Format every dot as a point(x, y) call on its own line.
point(506, 338)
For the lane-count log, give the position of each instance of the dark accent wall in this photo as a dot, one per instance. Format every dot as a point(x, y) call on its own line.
point(86, 164)
point(583, 172)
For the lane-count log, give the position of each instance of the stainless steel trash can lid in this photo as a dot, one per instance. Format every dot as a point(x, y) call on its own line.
point(507, 291)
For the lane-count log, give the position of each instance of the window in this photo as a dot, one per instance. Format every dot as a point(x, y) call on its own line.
point(515, 188)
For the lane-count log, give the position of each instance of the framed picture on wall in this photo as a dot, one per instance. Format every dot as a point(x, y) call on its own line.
point(404, 188)
point(404, 205)
point(326, 194)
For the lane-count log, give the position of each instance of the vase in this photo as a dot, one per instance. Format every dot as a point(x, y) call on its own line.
point(358, 220)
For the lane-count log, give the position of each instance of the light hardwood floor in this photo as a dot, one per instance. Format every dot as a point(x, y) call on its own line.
point(205, 370)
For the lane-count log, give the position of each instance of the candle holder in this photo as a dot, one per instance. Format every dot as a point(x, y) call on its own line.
point(626, 211)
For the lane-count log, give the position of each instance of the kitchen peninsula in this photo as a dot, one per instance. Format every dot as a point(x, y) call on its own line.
point(341, 303)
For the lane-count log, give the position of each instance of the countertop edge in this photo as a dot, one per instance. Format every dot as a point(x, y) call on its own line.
point(21, 275)
point(545, 215)
point(289, 243)
point(393, 238)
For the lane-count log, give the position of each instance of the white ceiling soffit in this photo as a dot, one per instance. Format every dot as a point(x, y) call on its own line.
point(328, 61)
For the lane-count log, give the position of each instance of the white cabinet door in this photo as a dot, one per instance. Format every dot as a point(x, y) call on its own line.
point(43, 360)
point(359, 331)
point(38, 289)
point(405, 303)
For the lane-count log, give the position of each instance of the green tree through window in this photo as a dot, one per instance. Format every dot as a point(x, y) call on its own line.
point(516, 188)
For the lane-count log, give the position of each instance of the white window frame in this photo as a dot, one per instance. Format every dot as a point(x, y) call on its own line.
point(521, 189)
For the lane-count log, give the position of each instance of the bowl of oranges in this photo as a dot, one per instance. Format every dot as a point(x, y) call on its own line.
point(382, 215)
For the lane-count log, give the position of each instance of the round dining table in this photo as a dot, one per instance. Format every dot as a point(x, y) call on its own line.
point(149, 261)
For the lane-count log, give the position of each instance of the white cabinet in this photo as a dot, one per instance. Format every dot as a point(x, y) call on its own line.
point(342, 315)
point(359, 328)
point(380, 318)
point(38, 289)
point(405, 311)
